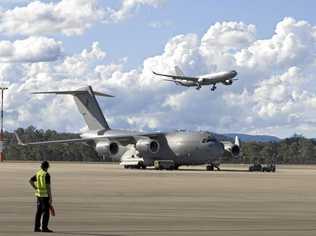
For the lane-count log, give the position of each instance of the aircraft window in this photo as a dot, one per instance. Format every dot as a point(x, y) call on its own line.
point(208, 140)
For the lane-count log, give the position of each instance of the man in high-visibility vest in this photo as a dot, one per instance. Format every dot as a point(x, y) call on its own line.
point(41, 183)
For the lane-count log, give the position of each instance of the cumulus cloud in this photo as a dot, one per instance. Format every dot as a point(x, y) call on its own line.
point(32, 49)
point(69, 17)
point(274, 94)
point(129, 7)
point(289, 46)
point(222, 40)
point(40, 18)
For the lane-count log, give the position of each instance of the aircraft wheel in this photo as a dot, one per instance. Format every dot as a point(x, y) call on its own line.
point(210, 168)
point(158, 167)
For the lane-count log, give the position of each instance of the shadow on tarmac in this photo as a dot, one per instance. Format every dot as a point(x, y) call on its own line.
point(222, 170)
point(86, 233)
point(199, 170)
point(195, 230)
point(234, 170)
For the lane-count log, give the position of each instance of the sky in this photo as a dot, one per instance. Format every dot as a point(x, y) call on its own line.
point(114, 45)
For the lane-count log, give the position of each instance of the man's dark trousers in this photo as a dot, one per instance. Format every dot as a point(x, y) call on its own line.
point(42, 209)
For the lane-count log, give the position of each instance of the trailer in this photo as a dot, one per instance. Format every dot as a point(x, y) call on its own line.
point(164, 165)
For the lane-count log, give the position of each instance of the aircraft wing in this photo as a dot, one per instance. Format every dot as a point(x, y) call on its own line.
point(78, 140)
point(118, 137)
point(188, 78)
point(132, 136)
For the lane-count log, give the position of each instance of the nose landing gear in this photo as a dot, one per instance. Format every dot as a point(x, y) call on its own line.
point(212, 166)
point(213, 87)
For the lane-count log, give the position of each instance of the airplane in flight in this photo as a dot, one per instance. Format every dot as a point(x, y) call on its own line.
point(142, 149)
point(225, 77)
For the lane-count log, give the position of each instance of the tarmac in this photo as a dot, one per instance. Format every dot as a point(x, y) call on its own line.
point(107, 200)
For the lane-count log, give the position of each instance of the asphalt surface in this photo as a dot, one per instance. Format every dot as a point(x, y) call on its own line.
point(106, 200)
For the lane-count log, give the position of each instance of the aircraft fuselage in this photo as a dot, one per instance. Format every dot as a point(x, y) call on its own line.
point(184, 148)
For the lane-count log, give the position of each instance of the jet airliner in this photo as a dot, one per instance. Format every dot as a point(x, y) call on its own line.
point(225, 77)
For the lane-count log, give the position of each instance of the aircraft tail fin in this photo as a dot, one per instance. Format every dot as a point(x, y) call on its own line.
point(178, 71)
point(88, 106)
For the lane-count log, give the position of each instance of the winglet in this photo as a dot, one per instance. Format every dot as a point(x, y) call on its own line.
point(19, 140)
point(237, 142)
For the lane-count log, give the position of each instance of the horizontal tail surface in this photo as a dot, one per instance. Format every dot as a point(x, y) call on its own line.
point(88, 106)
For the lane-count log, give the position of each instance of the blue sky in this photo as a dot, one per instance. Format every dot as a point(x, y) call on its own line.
point(114, 46)
point(136, 40)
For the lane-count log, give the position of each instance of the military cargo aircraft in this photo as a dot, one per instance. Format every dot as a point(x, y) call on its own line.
point(142, 149)
point(225, 77)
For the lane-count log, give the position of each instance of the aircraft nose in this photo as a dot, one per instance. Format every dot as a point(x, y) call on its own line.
point(233, 73)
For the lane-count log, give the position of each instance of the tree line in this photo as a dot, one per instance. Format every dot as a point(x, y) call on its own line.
point(52, 152)
point(293, 150)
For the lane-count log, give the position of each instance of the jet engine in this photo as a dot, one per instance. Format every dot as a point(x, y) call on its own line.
point(186, 83)
point(147, 146)
point(233, 148)
point(227, 82)
point(200, 80)
point(107, 148)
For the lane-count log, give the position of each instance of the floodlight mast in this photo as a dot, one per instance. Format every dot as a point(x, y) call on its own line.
point(1, 132)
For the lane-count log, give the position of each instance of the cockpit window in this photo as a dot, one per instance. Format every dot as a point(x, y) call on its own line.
point(208, 139)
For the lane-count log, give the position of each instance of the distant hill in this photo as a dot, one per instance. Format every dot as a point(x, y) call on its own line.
point(254, 138)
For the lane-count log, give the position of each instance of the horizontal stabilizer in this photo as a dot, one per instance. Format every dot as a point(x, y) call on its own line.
point(75, 92)
point(87, 105)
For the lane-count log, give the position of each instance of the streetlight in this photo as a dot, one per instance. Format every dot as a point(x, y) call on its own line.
point(1, 132)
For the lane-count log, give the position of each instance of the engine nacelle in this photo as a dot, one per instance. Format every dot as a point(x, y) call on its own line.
point(186, 83)
point(227, 82)
point(233, 149)
point(107, 148)
point(147, 146)
point(200, 80)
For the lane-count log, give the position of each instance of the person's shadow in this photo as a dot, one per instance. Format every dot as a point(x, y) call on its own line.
point(86, 233)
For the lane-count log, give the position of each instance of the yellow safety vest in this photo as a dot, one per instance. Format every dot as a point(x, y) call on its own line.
point(41, 186)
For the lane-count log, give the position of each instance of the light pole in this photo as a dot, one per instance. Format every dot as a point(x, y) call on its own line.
point(1, 132)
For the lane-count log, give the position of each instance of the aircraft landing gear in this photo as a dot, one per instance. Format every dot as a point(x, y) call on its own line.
point(198, 86)
point(213, 87)
point(212, 166)
point(217, 167)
